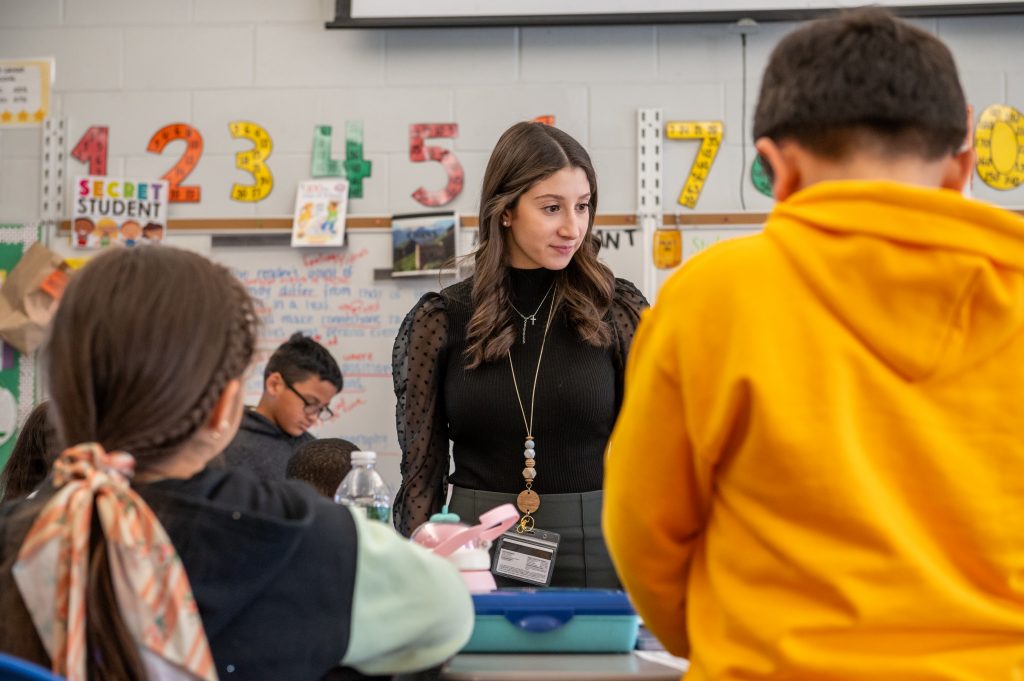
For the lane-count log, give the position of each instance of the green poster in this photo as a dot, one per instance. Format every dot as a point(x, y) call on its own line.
point(13, 241)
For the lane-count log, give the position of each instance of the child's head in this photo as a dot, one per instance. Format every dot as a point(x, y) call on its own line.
point(861, 86)
point(322, 463)
point(32, 455)
point(299, 382)
point(146, 350)
point(153, 231)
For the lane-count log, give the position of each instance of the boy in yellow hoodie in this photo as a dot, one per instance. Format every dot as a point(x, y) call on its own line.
point(817, 470)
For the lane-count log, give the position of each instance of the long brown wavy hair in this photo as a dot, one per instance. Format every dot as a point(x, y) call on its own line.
point(526, 154)
point(143, 344)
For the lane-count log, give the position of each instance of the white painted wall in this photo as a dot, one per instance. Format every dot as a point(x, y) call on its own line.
point(136, 65)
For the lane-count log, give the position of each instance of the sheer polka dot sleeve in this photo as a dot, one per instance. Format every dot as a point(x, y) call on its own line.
point(418, 365)
point(627, 307)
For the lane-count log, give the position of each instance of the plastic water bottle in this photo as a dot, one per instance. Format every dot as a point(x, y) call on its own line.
point(364, 488)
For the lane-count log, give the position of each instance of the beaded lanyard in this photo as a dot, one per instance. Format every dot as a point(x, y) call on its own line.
point(528, 501)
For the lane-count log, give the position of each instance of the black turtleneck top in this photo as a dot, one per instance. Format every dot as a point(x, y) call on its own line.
point(579, 390)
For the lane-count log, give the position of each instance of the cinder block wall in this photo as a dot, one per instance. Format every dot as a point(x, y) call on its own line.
point(136, 65)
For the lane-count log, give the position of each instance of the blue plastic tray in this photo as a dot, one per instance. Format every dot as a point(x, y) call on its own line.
point(553, 621)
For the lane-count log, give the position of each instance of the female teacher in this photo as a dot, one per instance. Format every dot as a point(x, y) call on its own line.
point(521, 365)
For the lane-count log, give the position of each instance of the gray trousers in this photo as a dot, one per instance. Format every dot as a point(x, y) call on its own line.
point(582, 560)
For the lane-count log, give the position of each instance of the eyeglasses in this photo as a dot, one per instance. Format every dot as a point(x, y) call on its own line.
point(311, 407)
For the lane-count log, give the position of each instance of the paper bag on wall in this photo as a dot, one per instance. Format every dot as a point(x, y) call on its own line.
point(28, 298)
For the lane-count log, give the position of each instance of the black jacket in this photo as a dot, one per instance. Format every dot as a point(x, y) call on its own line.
point(288, 584)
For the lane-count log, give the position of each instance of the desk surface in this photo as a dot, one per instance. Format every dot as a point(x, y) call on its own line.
point(583, 667)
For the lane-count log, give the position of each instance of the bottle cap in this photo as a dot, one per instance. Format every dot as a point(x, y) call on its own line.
point(445, 516)
point(363, 457)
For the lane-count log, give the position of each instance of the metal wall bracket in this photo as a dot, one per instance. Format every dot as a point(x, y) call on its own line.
point(54, 161)
point(649, 172)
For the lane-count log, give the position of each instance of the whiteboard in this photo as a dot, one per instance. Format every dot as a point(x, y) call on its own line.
point(528, 8)
point(332, 295)
point(397, 13)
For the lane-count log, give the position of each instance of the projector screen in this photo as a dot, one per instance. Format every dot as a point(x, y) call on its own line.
point(409, 13)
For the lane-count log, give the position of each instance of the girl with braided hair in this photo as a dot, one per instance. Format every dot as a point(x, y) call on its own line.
point(137, 561)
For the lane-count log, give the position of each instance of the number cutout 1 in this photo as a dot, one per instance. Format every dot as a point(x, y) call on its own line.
point(92, 149)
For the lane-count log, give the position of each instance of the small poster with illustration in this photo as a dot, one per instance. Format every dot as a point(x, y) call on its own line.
point(111, 210)
point(320, 207)
point(423, 243)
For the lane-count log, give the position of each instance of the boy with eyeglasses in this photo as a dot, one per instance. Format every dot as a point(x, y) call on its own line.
point(299, 382)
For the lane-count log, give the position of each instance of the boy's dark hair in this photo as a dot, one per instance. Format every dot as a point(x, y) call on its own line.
point(322, 463)
point(33, 453)
point(299, 358)
point(863, 77)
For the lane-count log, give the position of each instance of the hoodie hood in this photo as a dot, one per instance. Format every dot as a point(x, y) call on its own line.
point(256, 422)
point(929, 281)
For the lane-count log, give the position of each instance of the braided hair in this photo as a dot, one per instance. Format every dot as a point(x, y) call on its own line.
point(142, 346)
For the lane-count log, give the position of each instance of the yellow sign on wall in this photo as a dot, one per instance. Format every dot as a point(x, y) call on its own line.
point(25, 91)
point(999, 146)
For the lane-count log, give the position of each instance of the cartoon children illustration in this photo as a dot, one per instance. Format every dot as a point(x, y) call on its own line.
point(130, 232)
point(106, 228)
point(332, 218)
point(153, 232)
point(305, 217)
point(83, 228)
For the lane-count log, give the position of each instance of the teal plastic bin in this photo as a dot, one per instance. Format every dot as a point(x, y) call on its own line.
point(553, 621)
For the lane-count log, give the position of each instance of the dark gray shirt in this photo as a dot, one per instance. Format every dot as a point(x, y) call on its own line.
point(262, 447)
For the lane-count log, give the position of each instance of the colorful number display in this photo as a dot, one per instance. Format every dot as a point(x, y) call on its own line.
point(92, 149)
point(999, 145)
point(998, 142)
point(185, 165)
point(418, 153)
point(253, 161)
point(322, 165)
point(710, 135)
point(356, 167)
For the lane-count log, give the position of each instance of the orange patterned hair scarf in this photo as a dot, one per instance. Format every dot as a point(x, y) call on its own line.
point(152, 589)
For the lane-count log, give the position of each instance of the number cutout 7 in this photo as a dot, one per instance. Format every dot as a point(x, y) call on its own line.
point(710, 135)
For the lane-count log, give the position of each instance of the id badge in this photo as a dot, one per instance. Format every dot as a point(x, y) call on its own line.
point(528, 557)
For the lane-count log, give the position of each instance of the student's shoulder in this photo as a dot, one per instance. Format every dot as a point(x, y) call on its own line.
point(237, 492)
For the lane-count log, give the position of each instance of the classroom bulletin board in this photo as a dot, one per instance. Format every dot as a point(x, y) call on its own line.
point(18, 392)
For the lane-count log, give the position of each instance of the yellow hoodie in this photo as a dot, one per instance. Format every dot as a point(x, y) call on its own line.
point(818, 470)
